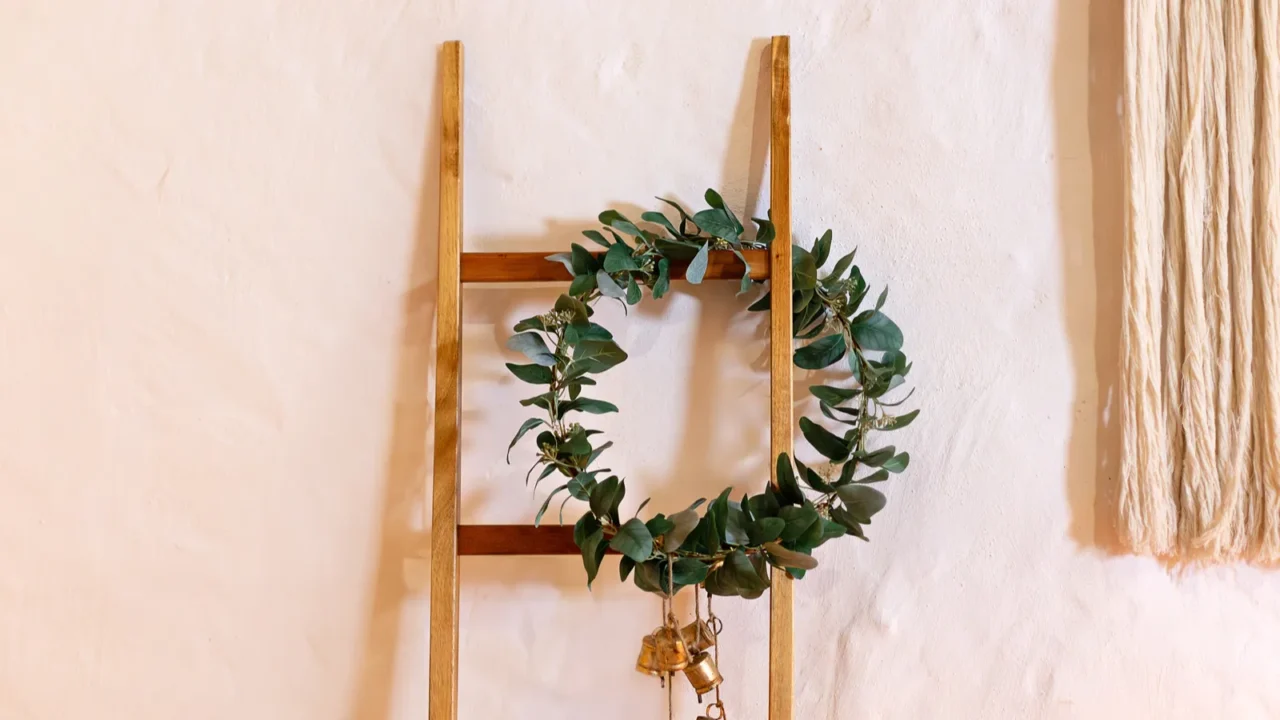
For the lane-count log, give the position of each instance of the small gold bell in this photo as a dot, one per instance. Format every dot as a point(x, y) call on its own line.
point(703, 674)
point(647, 663)
point(698, 637)
point(671, 652)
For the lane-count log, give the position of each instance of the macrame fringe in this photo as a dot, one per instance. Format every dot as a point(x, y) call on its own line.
point(1200, 367)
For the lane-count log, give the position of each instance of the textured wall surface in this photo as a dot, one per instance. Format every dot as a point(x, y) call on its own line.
point(216, 292)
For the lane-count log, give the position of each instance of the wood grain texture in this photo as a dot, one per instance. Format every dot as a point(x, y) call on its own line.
point(781, 647)
point(443, 670)
point(534, 267)
point(516, 540)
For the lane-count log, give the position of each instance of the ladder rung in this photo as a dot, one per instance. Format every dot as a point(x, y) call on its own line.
point(534, 267)
point(516, 540)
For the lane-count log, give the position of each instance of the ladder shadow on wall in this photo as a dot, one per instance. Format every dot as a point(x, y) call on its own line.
point(1088, 86)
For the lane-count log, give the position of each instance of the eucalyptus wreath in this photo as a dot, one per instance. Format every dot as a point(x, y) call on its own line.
point(729, 545)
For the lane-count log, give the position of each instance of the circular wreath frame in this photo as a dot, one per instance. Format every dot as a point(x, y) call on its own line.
point(729, 546)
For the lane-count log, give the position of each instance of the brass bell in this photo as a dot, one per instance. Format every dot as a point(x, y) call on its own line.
point(698, 637)
point(671, 652)
point(647, 663)
point(703, 674)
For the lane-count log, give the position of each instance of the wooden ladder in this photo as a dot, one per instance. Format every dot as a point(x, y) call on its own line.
point(449, 540)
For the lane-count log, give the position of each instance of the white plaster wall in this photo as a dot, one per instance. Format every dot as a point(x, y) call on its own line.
point(218, 231)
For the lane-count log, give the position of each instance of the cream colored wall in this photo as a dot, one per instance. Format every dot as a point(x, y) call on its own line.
point(216, 335)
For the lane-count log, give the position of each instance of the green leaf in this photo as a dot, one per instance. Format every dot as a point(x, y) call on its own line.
point(575, 307)
point(659, 219)
point(810, 538)
point(884, 295)
point(735, 528)
point(762, 304)
point(800, 300)
point(787, 485)
point(577, 333)
point(833, 395)
point(541, 476)
point(721, 582)
point(812, 478)
point(593, 550)
point(804, 270)
point(582, 284)
point(633, 540)
point(586, 525)
point(532, 345)
point(606, 496)
point(718, 511)
point(698, 266)
point(615, 220)
point(900, 421)
point(684, 215)
point(897, 463)
point(878, 476)
point(713, 199)
point(647, 577)
point(576, 444)
point(704, 538)
point(619, 259)
point(659, 525)
point(543, 401)
point(683, 523)
point(765, 504)
point(765, 232)
point(717, 223)
point(745, 574)
point(581, 485)
point(789, 558)
point(841, 265)
point(624, 567)
point(535, 374)
point(528, 425)
point(663, 283)
point(584, 263)
point(798, 518)
point(597, 453)
point(831, 529)
point(830, 412)
point(848, 521)
point(687, 571)
point(533, 323)
point(876, 458)
point(608, 287)
point(863, 501)
point(824, 441)
point(813, 316)
point(821, 353)
point(633, 291)
point(873, 330)
point(597, 238)
point(565, 259)
point(588, 405)
point(765, 530)
point(537, 520)
point(596, 356)
point(822, 249)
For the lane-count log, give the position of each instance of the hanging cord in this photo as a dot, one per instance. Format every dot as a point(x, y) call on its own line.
point(716, 626)
point(670, 621)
